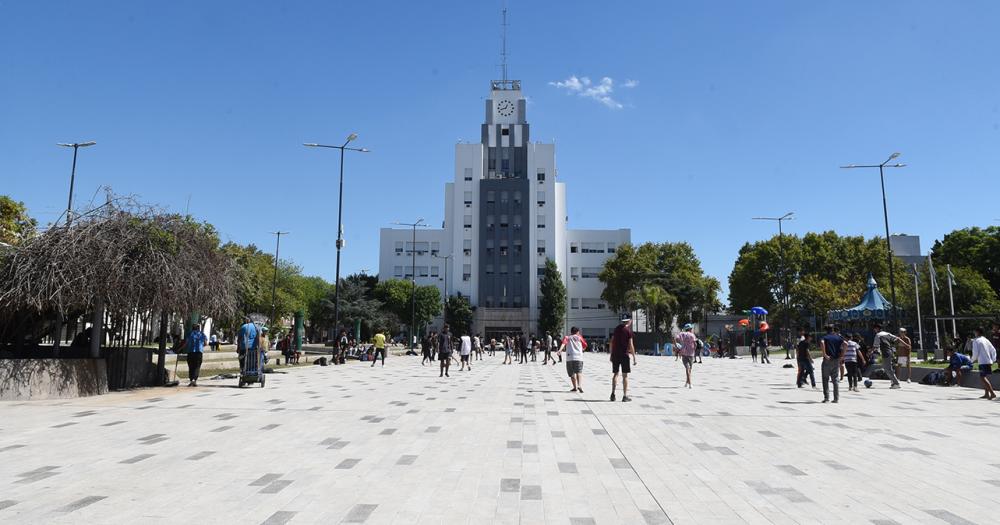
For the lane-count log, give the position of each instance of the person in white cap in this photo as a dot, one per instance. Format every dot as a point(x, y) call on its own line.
point(687, 344)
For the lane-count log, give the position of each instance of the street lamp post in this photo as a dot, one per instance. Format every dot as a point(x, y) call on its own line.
point(72, 174)
point(413, 275)
point(274, 281)
point(784, 273)
point(885, 213)
point(445, 257)
point(340, 224)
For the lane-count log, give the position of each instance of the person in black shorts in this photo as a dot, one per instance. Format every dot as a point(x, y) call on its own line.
point(622, 348)
point(444, 350)
point(426, 346)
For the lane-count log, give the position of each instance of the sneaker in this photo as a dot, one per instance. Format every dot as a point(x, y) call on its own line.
point(580, 390)
point(572, 390)
point(626, 399)
point(895, 387)
point(835, 401)
point(825, 400)
point(612, 396)
point(907, 380)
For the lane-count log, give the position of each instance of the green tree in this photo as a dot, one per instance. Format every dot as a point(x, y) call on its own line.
point(552, 299)
point(395, 294)
point(15, 224)
point(975, 248)
point(655, 302)
point(458, 312)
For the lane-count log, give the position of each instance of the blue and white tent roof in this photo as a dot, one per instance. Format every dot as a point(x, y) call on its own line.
point(873, 306)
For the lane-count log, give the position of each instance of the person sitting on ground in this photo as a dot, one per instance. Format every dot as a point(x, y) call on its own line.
point(957, 363)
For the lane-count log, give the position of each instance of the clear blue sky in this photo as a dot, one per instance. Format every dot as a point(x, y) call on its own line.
point(738, 109)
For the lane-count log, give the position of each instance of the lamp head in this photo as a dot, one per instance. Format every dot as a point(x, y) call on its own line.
point(352, 137)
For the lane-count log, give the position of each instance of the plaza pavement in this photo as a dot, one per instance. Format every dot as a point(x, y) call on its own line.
point(504, 444)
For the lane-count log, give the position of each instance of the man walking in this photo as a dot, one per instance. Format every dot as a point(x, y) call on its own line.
point(833, 346)
point(523, 344)
point(195, 344)
point(465, 352)
point(548, 349)
point(687, 345)
point(379, 340)
point(903, 355)
point(884, 341)
point(246, 339)
point(805, 361)
point(426, 344)
point(622, 347)
point(574, 344)
point(444, 351)
point(984, 354)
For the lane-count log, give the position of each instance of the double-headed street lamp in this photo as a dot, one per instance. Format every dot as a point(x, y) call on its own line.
point(784, 270)
point(413, 275)
point(885, 212)
point(340, 226)
point(72, 175)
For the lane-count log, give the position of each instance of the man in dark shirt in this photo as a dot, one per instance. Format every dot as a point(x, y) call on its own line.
point(833, 352)
point(524, 344)
point(805, 361)
point(621, 348)
point(444, 350)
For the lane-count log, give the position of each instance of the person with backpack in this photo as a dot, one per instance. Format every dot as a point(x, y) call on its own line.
point(574, 344)
point(246, 339)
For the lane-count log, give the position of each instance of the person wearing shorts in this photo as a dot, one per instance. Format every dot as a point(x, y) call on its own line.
point(622, 347)
point(903, 356)
point(984, 354)
point(444, 350)
point(687, 345)
point(465, 352)
point(574, 344)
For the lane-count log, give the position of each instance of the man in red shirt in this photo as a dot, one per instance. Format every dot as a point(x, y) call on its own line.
point(621, 348)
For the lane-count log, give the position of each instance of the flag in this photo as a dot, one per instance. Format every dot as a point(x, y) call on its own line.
point(930, 266)
point(951, 276)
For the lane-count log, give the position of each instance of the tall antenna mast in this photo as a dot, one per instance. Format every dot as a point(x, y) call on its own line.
point(503, 48)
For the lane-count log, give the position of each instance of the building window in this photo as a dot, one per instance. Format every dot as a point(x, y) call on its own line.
point(466, 272)
point(490, 221)
point(517, 222)
point(467, 247)
point(489, 269)
point(435, 271)
point(541, 198)
point(504, 197)
point(505, 131)
point(491, 197)
point(574, 273)
point(468, 199)
point(574, 248)
point(408, 272)
point(517, 269)
point(541, 273)
point(504, 221)
point(435, 248)
point(590, 273)
point(467, 221)
point(421, 271)
point(517, 301)
point(399, 247)
point(611, 247)
point(503, 248)
point(541, 247)
point(468, 173)
point(397, 271)
point(592, 247)
point(517, 248)
point(489, 301)
point(574, 304)
point(541, 176)
point(489, 247)
point(517, 197)
point(503, 269)
point(541, 221)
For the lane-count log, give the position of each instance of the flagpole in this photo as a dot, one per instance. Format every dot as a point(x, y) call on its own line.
point(951, 298)
point(934, 285)
point(920, 324)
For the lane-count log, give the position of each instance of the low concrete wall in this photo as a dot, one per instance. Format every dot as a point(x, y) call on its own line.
point(24, 379)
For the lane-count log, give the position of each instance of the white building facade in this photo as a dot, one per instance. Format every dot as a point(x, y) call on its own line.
point(505, 214)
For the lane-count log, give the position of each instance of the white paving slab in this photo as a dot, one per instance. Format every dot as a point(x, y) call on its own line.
point(504, 444)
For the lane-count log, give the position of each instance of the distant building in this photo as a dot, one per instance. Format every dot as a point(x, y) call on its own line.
point(907, 248)
point(505, 214)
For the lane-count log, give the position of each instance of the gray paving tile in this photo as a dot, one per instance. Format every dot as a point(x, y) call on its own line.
point(360, 513)
point(558, 433)
point(949, 517)
point(276, 486)
point(791, 470)
point(272, 426)
point(387, 432)
point(64, 424)
point(406, 460)
point(531, 492)
point(530, 449)
point(7, 503)
point(582, 521)
point(885, 522)
point(221, 429)
point(264, 480)
point(11, 447)
point(510, 485)
point(432, 429)
point(113, 423)
point(280, 517)
point(81, 503)
point(620, 463)
point(201, 455)
point(655, 517)
point(136, 459)
point(567, 468)
point(347, 463)
point(514, 444)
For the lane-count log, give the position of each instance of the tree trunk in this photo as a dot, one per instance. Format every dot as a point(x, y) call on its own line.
point(161, 354)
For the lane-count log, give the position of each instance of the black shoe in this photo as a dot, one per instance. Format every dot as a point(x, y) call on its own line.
point(573, 390)
point(626, 399)
point(836, 400)
point(612, 396)
point(580, 390)
point(825, 400)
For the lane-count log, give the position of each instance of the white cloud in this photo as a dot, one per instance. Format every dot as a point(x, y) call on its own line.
point(601, 91)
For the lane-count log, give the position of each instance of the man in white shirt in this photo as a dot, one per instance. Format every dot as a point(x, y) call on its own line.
point(574, 344)
point(984, 354)
point(465, 352)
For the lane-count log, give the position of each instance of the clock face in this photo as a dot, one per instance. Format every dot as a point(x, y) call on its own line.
point(505, 108)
